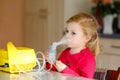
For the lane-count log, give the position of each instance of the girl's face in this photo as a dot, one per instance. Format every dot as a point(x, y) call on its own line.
point(75, 35)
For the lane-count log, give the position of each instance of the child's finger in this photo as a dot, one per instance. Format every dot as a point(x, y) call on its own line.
point(60, 66)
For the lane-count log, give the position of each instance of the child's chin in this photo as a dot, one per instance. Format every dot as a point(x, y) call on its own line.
point(69, 46)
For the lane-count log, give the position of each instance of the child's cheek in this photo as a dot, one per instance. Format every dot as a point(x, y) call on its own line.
point(71, 44)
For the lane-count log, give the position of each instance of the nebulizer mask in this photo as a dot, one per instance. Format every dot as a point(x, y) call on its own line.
point(52, 52)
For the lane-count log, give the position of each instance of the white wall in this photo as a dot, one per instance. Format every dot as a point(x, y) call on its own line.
point(75, 6)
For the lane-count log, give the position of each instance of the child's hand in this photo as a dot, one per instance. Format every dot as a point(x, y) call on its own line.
point(60, 66)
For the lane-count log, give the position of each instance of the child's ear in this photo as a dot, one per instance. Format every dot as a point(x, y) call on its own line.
point(88, 38)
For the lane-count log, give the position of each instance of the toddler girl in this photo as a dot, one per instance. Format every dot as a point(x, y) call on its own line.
point(83, 45)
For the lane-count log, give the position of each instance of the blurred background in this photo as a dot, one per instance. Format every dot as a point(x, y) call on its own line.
point(38, 23)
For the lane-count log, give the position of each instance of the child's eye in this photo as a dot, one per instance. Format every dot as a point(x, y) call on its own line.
point(73, 33)
point(66, 31)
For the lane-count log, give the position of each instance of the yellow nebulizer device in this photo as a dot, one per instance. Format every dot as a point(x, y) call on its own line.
point(17, 59)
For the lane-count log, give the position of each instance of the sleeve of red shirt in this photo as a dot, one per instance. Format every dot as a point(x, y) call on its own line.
point(70, 71)
point(48, 66)
point(67, 70)
point(87, 68)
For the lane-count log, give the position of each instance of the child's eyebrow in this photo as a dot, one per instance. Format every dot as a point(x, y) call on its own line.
point(65, 28)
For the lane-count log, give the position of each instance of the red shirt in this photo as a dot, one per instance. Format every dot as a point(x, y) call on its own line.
point(80, 64)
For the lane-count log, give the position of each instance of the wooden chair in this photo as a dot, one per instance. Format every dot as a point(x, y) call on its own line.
point(100, 74)
point(113, 74)
point(103, 74)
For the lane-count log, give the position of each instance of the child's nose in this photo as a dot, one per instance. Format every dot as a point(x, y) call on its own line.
point(67, 35)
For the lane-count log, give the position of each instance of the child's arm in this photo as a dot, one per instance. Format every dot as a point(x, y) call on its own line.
point(61, 67)
point(65, 69)
point(87, 70)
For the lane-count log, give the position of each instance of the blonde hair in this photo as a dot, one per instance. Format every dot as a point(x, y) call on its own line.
point(89, 26)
